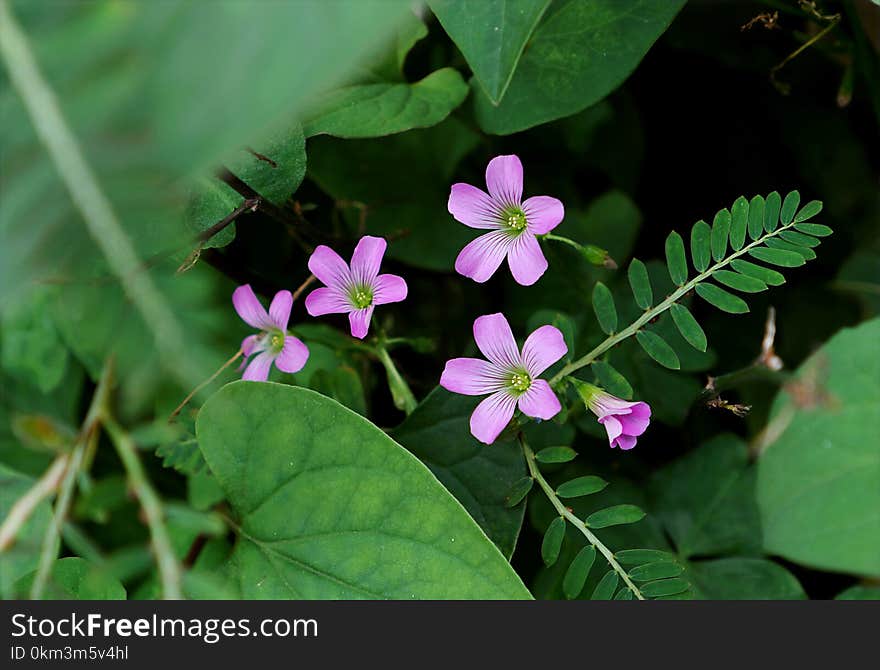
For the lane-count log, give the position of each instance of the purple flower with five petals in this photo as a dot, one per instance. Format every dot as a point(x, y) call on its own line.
point(513, 223)
point(510, 377)
point(354, 290)
point(273, 344)
point(623, 421)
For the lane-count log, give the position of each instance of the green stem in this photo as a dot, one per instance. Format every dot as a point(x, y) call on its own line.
point(656, 311)
point(400, 391)
point(169, 568)
point(564, 240)
point(575, 521)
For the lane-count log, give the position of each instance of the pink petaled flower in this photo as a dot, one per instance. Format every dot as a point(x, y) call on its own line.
point(513, 223)
point(624, 421)
point(356, 290)
point(510, 376)
point(273, 344)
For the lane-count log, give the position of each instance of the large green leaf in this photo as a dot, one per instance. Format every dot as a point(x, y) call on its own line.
point(818, 481)
point(491, 34)
point(74, 578)
point(480, 477)
point(328, 506)
point(741, 578)
point(581, 51)
point(22, 557)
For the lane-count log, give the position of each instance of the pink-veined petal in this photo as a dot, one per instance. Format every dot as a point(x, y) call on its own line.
point(636, 422)
point(543, 213)
point(327, 300)
point(504, 179)
point(251, 344)
point(388, 288)
point(258, 369)
point(359, 320)
point(329, 267)
point(481, 257)
point(526, 260)
point(473, 207)
point(249, 308)
point(542, 349)
point(625, 442)
point(495, 340)
point(279, 310)
point(293, 355)
point(492, 415)
point(367, 258)
point(471, 376)
point(539, 401)
point(612, 427)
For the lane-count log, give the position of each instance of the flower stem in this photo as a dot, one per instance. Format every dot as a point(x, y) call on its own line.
point(169, 568)
point(198, 388)
point(400, 391)
point(657, 310)
point(535, 472)
point(21, 511)
point(564, 240)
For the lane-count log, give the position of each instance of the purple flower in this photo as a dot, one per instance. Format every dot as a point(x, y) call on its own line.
point(509, 376)
point(273, 344)
point(354, 291)
point(513, 223)
point(624, 421)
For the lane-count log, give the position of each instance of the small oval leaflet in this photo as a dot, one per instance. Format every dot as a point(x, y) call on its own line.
point(739, 282)
point(720, 234)
point(799, 238)
point(518, 491)
point(658, 349)
point(701, 247)
point(605, 588)
point(676, 260)
point(624, 594)
point(739, 219)
point(665, 587)
point(576, 575)
point(611, 380)
point(778, 243)
point(718, 297)
point(789, 207)
point(556, 455)
point(756, 217)
point(766, 275)
point(603, 305)
point(581, 486)
point(640, 284)
point(808, 211)
point(687, 325)
point(657, 570)
point(642, 556)
point(816, 229)
point(615, 516)
point(782, 258)
point(553, 541)
point(772, 205)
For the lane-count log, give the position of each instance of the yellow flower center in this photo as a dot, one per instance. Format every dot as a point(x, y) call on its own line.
point(520, 382)
point(361, 296)
point(515, 219)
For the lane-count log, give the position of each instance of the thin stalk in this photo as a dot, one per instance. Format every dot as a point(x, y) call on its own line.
point(656, 311)
point(169, 568)
point(575, 521)
point(23, 508)
point(564, 240)
point(198, 388)
point(400, 391)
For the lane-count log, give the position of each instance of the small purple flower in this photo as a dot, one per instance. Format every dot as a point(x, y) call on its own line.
point(624, 421)
point(513, 223)
point(273, 344)
point(509, 376)
point(354, 291)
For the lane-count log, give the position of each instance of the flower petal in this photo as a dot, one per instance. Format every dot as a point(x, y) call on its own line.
point(388, 288)
point(504, 178)
point(626, 442)
point(495, 339)
point(542, 349)
point(367, 258)
point(543, 213)
point(491, 416)
point(539, 401)
point(258, 369)
point(481, 257)
point(612, 427)
point(251, 344)
point(327, 301)
point(526, 260)
point(473, 207)
point(329, 267)
point(279, 310)
point(636, 422)
point(471, 376)
point(293, 355)
point(249, 308)
point(359, 320)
